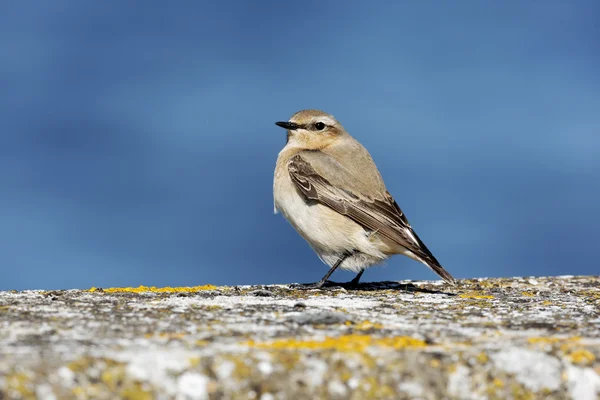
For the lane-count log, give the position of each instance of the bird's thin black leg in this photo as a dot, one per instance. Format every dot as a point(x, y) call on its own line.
point(331, 270)
point(354, 282)
point(320, 284)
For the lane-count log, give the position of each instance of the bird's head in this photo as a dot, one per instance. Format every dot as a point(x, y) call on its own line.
point(312, 129)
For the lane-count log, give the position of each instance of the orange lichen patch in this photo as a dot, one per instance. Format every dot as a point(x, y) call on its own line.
point(348, 343)
point(474, 295)
point(154, 289)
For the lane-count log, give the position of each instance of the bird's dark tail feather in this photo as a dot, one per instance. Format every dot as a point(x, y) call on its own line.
point(438, 269)
point(427, 258)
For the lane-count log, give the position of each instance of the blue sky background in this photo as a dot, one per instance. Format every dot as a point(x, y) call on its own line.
point(138, 145)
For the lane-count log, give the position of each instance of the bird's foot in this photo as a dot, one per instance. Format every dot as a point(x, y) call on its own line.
point(352, 284)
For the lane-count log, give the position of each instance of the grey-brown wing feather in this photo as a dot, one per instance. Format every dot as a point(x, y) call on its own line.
point(383, 215)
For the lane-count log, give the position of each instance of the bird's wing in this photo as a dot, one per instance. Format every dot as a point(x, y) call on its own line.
point(325, 181)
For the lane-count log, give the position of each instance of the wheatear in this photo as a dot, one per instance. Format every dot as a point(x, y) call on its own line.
point(328, 187)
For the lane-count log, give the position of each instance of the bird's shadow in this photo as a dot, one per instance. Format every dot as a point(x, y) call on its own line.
point(375, 286)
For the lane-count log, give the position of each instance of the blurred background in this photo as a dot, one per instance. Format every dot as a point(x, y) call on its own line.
point(138, 139)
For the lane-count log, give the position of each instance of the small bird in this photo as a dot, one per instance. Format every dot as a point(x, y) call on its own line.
point(328, 187)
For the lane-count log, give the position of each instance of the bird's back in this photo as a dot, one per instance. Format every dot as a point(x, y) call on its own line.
point(360, 172)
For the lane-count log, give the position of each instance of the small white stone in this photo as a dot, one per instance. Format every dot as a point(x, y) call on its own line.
point(412, 389)
point(533, 282)
point(583, 383)
point(45, 392)
point(337, 388)
point(93, 372)
point(224, 370)
point(353, 383)
point(459, 383)
point(265, 367)
point(66, 376)
point(534, 369)
point(267, 396)
point(192, 385)
point(316, 370)
point(137, 372)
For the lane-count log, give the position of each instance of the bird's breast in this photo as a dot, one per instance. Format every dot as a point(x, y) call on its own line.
point(324, 229)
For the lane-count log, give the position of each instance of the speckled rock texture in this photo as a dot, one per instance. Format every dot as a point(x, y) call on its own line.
point(518, 338)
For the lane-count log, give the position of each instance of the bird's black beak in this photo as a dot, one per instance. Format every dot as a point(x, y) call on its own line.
point(287, 125)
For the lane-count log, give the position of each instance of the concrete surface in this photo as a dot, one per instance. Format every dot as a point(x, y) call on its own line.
point(518, 338)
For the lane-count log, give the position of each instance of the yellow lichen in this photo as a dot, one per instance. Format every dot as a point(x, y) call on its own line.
point(547, 303)
point(377, 390)
point(112, 377)
point(482, 358)
point(528, 294)
point(91, 391)
point(570, 347)
point(136, 392)
point(166, 335)
point(348, 343)
point(241, 369)
point(520, 392)
point(211, 308)
point(20, 383)
point(565, 344)
point(365, 325)
point(581, 357)
point(79, 364)
point(544, 340)
point(474, 295)
point(287, 359)
point(499, 383)
point(154, 289)
point(590, 294)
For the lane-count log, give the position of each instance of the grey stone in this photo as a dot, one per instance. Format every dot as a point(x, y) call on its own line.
point(518, 338)
point(318, 318)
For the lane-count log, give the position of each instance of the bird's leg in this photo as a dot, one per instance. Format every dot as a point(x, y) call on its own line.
point(354, 282)
point(320, 284)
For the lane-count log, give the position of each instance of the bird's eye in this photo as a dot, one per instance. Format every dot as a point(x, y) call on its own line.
point(320, 126)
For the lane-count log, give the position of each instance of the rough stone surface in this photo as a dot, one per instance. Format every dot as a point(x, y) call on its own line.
point(519, 338)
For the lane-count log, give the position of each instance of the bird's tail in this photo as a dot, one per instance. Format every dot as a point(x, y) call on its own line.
point(436, 267)
point(421, 253)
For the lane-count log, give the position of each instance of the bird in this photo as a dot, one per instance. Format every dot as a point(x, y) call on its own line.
point(329, 189)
